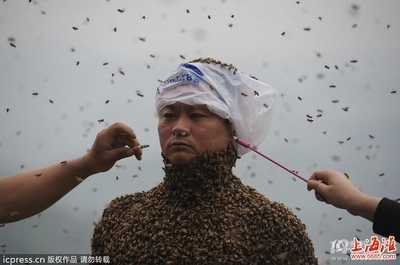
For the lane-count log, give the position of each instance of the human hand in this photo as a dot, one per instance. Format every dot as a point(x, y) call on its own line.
point(112, 144)
point(335, 188)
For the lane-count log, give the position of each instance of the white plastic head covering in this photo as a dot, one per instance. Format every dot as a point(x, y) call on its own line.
point(246, 102)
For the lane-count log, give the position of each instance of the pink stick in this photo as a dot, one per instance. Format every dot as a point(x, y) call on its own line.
point(248, 145)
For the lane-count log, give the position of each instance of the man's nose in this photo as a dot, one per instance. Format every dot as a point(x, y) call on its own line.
point(182, 126)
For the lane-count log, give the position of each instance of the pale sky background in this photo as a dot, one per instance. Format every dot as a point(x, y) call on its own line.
point(36, 133)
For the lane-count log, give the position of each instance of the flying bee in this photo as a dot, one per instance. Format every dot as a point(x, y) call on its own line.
point(230, 25)
point(332, 86)
point(107, 101)
point(209, 16)
point(393, 92)
point(353, 61)
point(327, 67)
point(143, 17)
point(116, 178)
point(345, 108)
point(105, 63)
point(341, 142)
point(244, 94)
point(310, 120)
point(139, 94)
point(100, 120)
point(335, 101)
point(265, 105)
point(283, 33)
point(298, 208)
point(152, 56)
point(142, 39)
point(319, 115)
point(182, 57)
point(115, 29)
point(77, 63)
point(121, 72)
point(188, 11)
point(256, 93)
point(358, 230)
point(348, 138)
point(299, 98)
point(307, 29)
point(337, 68)
point(309, 116)
point(121, 10)
point(371, 136)
point(78, 179)
point(38, 175)
point(51, 101)
point(75, 28)
point(13, 45)
point(8, 110)
point(381, 175)
point(340, 218)
point(63, 163)
point(35, 93)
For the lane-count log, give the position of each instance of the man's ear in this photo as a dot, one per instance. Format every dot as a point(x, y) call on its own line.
point(232, 130)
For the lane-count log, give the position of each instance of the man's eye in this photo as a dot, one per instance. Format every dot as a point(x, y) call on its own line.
point(168, 115)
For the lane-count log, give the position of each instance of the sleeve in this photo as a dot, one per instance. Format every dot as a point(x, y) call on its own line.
point(107, 231)
point(387, 219)
point(292, 244)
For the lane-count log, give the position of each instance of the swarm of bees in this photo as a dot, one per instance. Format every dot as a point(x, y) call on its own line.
point(211, 18)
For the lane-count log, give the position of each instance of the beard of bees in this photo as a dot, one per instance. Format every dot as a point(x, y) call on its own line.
point(201, 214)
point(202, 177)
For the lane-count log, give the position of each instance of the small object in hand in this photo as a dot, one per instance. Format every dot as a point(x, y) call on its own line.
point(137, 147)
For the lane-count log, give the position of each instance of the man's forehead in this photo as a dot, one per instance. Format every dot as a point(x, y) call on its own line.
point(179, 105)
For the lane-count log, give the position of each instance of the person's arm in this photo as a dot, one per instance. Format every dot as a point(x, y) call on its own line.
point(335, 188)
point(387, 219)
point(25, 194)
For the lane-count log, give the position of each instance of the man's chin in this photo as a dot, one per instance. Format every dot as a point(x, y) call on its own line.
point(181, 158)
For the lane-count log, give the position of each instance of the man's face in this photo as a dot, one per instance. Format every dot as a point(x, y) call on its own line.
point(202, 129)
